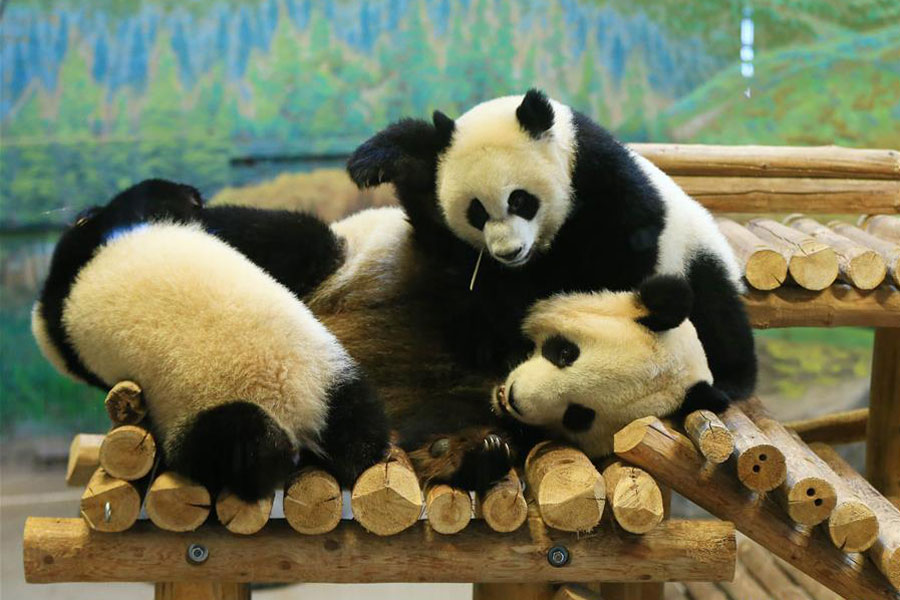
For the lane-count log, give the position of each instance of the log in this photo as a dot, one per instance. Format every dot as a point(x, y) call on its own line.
point(519, 591)
point(176, 503)
point(883, 440)
point(792, 194)
point(813, 588)
point(503, 507)
point(884, 226)
point(674, 461)
point(569, 491)
point(386, 498)
point(859, 266)
point(889, 251)
point(712, 438)
point(836, 428)
point(885, 552)
point(765, 267)
point(128, 452)
point(760, 465)
point(807, 493)
point(241, 516)
point(703, 590)
point(744, 585)
point(448, 509)
point(84, 458)
point(125, 404)
point(110, 504)
point(57, 550)
point(572, 591)
point(837, 306)
point(772, 161)
point(313, 501)
point(812, 264)
point(765, 570)
point(636, 500)
point(183, 590)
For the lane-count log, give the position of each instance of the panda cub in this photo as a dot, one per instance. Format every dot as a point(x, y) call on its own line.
point(523, 197)
point(238, 375)
point(603, 359)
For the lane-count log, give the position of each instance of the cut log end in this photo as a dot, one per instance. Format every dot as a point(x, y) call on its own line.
point(815, 267)
point(890, 565)
point(866, 270)
point(110, 504)
point(175, 503)
point(810, 501)
point(84, 458)
point(449, 509)
point(240, 516)
point(569, 490)
point(853, 526)
point(313, 502)
point(710, 435)
point(761, 468)
point(503, 507)
point(128, 452)
point(125, 404)
point(386, 498)
point(766, 269)
point(636, 500)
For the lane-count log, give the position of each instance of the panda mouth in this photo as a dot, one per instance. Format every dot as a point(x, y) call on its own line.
point(505, 402)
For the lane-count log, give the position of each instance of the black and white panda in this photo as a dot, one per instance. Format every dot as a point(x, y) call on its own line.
point(555, 204)
point(238, 374)
point(604, 359)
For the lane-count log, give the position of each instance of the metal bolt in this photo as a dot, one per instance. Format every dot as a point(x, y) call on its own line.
point(197, 554)
point(558, 556)
point(107, 512)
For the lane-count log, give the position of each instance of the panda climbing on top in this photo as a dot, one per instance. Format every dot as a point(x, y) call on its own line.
point(522, 197)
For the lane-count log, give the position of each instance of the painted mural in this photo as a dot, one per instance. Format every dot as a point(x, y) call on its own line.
point(222, 93)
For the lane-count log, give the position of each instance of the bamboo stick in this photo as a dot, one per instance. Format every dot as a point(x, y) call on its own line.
point(313, 501)
point(125, 404)
point(890, 252)
point(760, 465)
point(674, 461)
point(859, 266)
point(503, 507)
point(765, 267)
point(772, 161)
point(837, 306)
point(567, 487)
point(109, 504)
point(386, 498)
point(448, 509)
point(84, 458)
point(57, 550)
point(636, 500)
point(712, 438)
point(128, 452)
point(836, 428)
point(885, 552)
point(886, 227)
point(175, 503)
point(812, 264)
point(241, 516)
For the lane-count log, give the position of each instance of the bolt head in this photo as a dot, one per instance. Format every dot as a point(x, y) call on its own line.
point(197, 554)
point(558, 556)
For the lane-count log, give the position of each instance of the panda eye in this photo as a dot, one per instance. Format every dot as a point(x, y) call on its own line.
point(523, 204)
point(560, 351)
point(476, 214)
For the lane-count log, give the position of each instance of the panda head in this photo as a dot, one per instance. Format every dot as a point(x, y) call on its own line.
point(601, 360)
point(500, 174)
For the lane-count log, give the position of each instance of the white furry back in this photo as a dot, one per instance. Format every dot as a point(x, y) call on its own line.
point(196, 324)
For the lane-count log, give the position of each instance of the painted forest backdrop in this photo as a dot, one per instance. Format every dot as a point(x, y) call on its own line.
point(97, 95)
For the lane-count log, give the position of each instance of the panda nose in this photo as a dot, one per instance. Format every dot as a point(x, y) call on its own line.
point(510, 255)
point(511, 399)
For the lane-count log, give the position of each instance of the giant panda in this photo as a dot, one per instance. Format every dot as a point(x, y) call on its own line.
point(238, 374)
point(603, 359)
point(522, 197)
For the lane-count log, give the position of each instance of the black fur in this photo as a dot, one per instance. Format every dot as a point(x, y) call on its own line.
point(235, 446)
point(535, 114)
point(578, 418)
point(444, 126)
point(668, 298)
point(703, 396)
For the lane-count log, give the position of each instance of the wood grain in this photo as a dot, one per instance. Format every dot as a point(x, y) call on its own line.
point(313, 501)
point(448, 509)
point(889, 251)
point(125, 404)
point(760, 465)
point(883, 437)
point(837, 306)
point(175, 503)
point(128, 452)
point(84, 458)
point(386, 498)
point(181, 590)
point(711, 436)
point(811, 264)
point(765, 266)
point(843, 427)
point(241, 516)
point(569, 490)
point(636, 500)
point(858, 265)
point(109, 504)
point(884, 226)
point(503, 506)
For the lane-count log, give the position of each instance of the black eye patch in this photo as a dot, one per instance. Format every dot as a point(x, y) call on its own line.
point(560, 351)
point(522, 204)
point(578, 418)
point(476, 214)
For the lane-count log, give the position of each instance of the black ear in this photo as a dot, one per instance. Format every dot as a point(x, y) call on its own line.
point(408, 144)
point(668, 298)
point(535, 114)
point(445, 126)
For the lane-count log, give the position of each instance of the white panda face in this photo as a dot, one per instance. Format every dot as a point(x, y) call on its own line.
point(504, 184)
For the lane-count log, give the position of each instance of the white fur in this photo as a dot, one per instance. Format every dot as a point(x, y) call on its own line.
point(490, 156)
point(196, 324)
point(46, 345)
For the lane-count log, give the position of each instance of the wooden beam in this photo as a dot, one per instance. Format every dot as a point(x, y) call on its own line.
point(181, 590)
point(84, 458)
point(836, 306)
point(58, 550)
point(883, 439)
point(772, 161)
point(673, 460)
point(836, 428)
point(517, 591)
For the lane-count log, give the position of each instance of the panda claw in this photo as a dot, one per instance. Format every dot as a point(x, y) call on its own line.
point(507, 451)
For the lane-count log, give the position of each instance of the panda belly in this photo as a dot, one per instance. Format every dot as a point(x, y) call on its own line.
point(197, 325)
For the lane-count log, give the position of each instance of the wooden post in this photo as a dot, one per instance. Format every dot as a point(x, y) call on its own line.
point(859, 266)
point(125, 404)
point(503, 507)
point(386, 498)
point(813, 265)
point(573, 591)
point(128, 452)
point(837, 428)
point(110, 504)
point(760, 465)
point(710, 435)
point(84, 458)
point(240, 516)
point(884, 226)
point(569, 491)
point(448, 509)
point(636, 500)
point(765, 267)
point(313, 501)
point(182, 590)
point(175, 503)
point(513, 591)
point(883, 438)
point(889, 251)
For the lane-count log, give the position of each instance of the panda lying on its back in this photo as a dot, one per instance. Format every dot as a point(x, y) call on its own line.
point(558, 205)
point(602, 360)
point(238, 374)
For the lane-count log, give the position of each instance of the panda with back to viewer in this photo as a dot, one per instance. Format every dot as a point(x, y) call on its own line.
point(554, 204)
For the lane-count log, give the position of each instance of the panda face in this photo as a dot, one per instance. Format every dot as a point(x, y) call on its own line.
point(504, 181)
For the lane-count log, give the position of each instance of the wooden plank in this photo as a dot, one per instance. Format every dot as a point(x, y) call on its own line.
point(836, 428)
point(673, 460)
point(58, 550)
point(883, 440)
point(181, 590)
point(772, 161)
point(836, 306)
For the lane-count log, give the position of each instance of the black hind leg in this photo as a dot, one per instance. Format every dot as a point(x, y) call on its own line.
point(703, 396)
